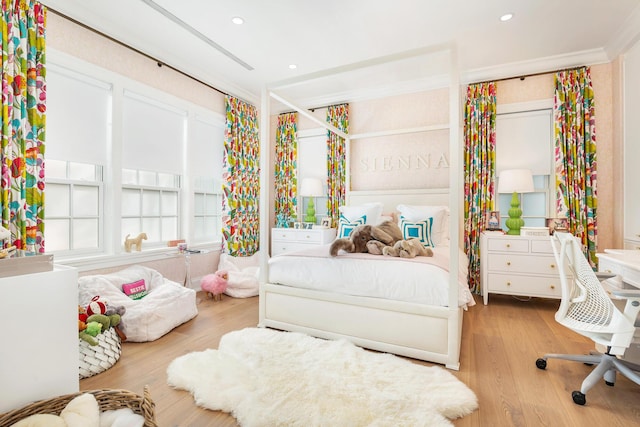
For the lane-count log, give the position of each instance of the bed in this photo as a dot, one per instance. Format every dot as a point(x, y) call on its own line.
point(425, 330)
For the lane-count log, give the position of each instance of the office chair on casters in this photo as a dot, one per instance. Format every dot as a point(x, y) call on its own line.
point(586, 309)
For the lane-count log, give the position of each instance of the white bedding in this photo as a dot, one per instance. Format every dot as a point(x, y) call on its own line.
point(421, 280)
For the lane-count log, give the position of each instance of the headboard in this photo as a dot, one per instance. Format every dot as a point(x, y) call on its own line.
point(392, 198)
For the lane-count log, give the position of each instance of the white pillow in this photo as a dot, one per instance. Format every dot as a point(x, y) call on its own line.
point(440, 215)
point(372, 212)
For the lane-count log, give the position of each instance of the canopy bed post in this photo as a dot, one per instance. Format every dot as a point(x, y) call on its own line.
point(265, 185)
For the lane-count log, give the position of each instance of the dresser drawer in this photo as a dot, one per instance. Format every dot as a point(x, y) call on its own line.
point(508, 245)
point(279, 247)
point(546, 287)
point(541, 246)
point(522, 264)
point(606, 266)
point(309, 237)
point(288, 235)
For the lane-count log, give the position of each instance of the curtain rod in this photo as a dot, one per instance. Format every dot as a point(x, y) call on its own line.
point(157, 61)
point(313, 109)
point(524, 76)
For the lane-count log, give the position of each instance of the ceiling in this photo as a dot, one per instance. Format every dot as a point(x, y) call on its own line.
point(350, 49)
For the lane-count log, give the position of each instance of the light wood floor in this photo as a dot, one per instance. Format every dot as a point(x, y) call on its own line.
point(500, 344)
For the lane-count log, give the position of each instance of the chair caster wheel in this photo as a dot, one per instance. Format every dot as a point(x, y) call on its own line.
point(541, 363)
point(579, 398)
point(609, 383)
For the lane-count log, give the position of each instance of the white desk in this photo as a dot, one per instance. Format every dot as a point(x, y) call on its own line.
point(625, 262)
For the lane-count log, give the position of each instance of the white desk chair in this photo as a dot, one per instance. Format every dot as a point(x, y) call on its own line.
point(586, 309)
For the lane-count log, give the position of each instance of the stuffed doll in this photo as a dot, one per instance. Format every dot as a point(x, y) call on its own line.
point(215, 284)
point(368, 238)
point(410, 248)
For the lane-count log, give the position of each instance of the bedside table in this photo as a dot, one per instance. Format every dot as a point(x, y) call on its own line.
point(291, 239)
point(518, 265)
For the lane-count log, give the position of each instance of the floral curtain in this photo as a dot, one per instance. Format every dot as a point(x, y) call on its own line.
point(575, 155)
point(241, 179)
point(23, 120)
point(338, 116)
point(286, 179)
point(479, 170)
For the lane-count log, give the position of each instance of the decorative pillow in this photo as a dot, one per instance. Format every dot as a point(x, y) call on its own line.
point(82, 411)
point(439, 214)
point(135, 290)
point(420, 230)
point(370, 211)
point(345, 227)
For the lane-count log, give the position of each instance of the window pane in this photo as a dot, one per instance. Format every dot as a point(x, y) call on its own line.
point(169, 203)
point(211, 229)
point(57, 235)
point(57, 200)
point(150, 203)
point(130, 202)
point(151, 226)
point(85, 201)
point(534, 204)
point(169, 229)
point(56, 168)
point(167, 180)
point(129, 176)
point(213, 205)
point(198, 204)
point(147, 178)
point(198, 228)
point(85, 233)
point(82, 171)
point(131, 227)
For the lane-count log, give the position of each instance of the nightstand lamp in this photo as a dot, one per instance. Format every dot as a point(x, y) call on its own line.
point(311, 188)
point(515, 181)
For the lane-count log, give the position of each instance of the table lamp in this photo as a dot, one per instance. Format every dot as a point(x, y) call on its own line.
point(311, 187)
point(515, 181)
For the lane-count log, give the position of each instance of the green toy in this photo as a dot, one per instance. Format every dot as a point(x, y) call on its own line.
point(93, 328)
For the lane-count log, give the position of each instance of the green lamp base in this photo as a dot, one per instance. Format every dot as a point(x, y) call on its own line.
point(311, 212)
point(515, 222)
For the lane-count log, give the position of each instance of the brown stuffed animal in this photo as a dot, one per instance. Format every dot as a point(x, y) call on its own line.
point(368, 238)
point(410, 248)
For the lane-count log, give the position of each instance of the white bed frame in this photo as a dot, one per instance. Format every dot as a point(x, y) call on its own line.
point(429, 333)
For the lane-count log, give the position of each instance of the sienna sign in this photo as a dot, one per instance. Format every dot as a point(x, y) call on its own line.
point(410, 161)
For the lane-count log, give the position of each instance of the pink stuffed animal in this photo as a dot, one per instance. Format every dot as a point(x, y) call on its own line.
point(215, 284)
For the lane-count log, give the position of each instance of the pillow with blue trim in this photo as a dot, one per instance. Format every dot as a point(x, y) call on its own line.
point(420, 230)
point(346, 226)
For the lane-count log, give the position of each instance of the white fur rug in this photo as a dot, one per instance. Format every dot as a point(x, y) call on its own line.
point(270, 378)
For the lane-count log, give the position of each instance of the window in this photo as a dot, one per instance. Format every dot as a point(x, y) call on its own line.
point(123, 158)
point(73, 205)
point(312, 163)
point(524, 140)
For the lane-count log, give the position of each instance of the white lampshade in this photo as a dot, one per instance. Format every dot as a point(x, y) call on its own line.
point(311, 187)
point(515, 180)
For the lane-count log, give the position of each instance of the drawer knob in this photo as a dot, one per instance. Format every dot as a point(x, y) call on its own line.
point(508, 262)
point(608, 271)
point(508, 245)
point(552, 286)
point(508, 283)
point(553, 266)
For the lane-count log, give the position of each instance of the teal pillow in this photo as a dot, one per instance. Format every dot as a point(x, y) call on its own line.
point(345, 227)
point(420, 230)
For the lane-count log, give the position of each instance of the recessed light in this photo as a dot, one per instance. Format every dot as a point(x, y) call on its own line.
point(506, 17)
point(292, 66)
point(237, 20)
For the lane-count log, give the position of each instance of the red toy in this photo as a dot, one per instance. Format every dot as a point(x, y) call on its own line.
point(215, 284)
point(96, 306)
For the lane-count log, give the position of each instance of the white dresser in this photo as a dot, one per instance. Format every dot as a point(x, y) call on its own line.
point(291, 239)
point(518, 265)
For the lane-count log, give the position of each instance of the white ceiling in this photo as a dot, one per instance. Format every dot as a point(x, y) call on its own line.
point(329, 36)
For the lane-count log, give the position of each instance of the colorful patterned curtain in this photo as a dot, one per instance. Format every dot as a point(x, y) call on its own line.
point(286, 181)
point(575, 155)
point(479, 170)
point(241, 179)
point(338, 116)
point(23, 120)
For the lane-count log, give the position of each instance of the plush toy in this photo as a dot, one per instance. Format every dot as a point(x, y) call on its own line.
point(409, 248)
point(368, 238)
point(215, 284)
point(96, 306)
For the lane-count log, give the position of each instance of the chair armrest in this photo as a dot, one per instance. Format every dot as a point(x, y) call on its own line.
point(601, 275)
point(626, 293)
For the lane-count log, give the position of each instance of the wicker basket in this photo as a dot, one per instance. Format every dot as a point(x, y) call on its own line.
point(98, 358)
point(107, 400)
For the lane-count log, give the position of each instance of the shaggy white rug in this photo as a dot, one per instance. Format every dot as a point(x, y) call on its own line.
point(270, 378)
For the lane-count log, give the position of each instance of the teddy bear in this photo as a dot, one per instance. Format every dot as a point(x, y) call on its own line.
point(368, 238)
point(409, 248)
point(215, 284)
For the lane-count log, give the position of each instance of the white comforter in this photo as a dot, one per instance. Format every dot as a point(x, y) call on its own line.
point(421, 280)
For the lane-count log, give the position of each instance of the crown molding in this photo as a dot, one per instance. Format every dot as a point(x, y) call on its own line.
point(626, 37)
